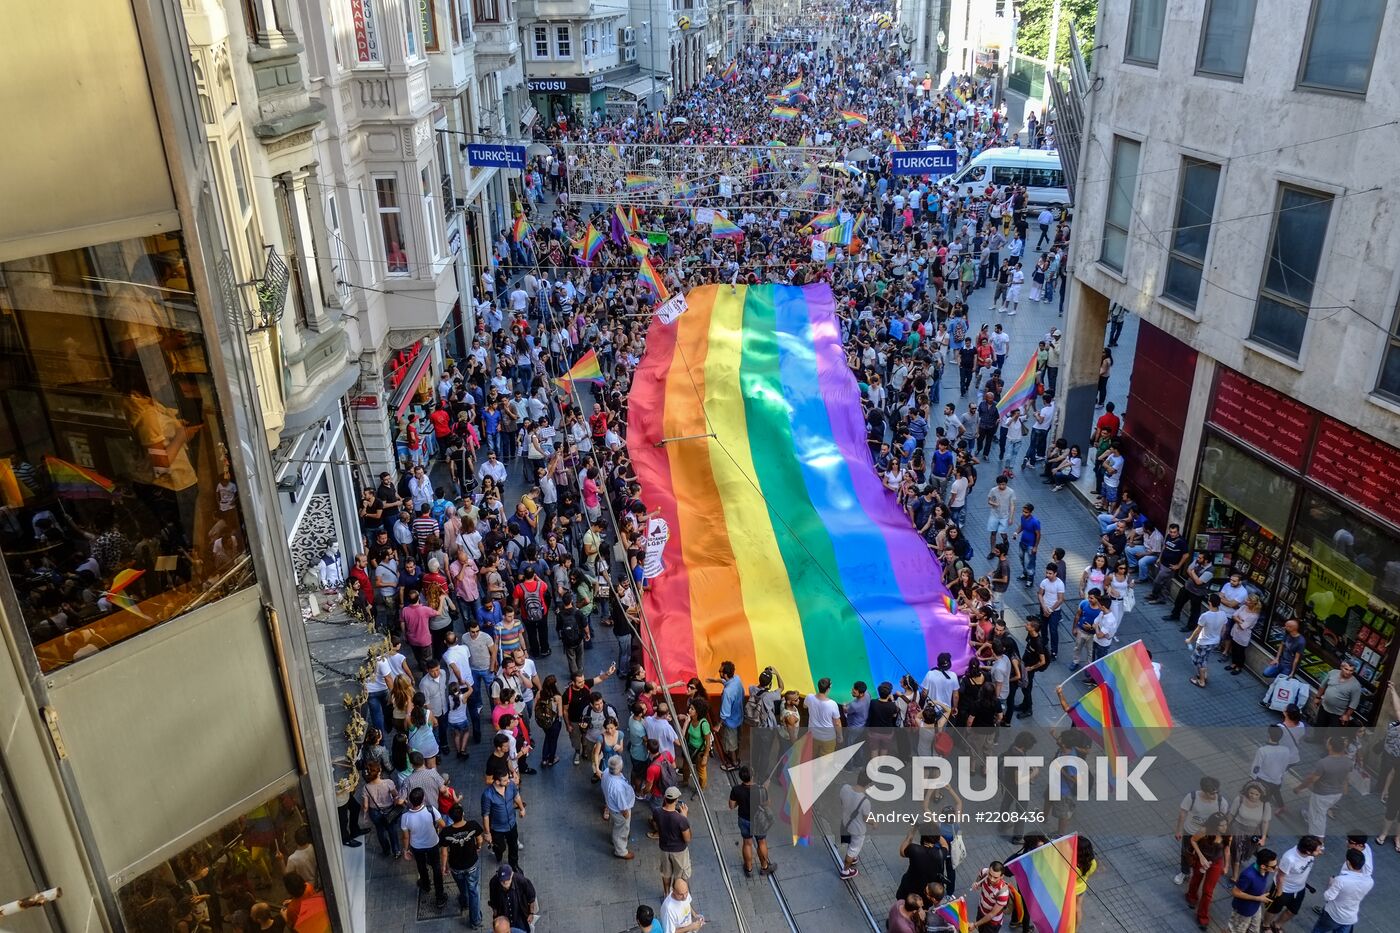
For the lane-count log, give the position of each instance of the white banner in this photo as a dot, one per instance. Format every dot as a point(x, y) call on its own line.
point(673, 308)
point(818, 250)
point(658, 533)
point(705, 215)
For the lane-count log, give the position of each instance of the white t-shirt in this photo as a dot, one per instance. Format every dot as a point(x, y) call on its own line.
point(1294, 867)
point(940, 686)
point(822, 716)
point(1116, 462)
point(1002, 501)
point(460, 656)
point(1236, 594)
point(1212, 624)
point(1051, 592)
point(675, 914)
point(1107, 627)
point(957, 493)
point(528, 673)
point(389, 666)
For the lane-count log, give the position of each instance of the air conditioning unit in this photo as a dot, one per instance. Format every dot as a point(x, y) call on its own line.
point(627, 35)
point(627, 38)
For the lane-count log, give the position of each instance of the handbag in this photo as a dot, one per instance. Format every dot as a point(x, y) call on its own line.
point(1129, 601)
point(958, 850)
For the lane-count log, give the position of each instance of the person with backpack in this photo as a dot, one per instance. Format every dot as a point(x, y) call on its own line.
point(662, 777)
point(571, 626)
point(750, 800)
point(577, 695)
point(1196, 807)
point(532, 602)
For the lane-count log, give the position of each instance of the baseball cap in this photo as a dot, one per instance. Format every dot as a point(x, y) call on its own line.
point(673, 793)
point(505, 873)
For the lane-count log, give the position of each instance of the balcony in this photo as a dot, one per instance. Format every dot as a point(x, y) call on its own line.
point(284, 102)
point(497, 46)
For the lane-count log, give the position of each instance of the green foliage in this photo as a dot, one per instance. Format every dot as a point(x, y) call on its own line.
point(1033, 34)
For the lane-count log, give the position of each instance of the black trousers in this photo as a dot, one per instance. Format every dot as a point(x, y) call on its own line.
point(506, 842)
point(537, 636)
point(429, 860)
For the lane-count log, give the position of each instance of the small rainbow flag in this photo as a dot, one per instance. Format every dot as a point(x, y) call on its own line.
point(851, 118)
point(722, 227)
point(824, 220)
point(792, 87)
point(628, 224)
point(615, 151)
point(640, 248)
point(1131, 702)
point(637, 182)
point(1021, 391)
point(648, 278)
point(812, 184)
point(894, 140)
point(800, 821)
point(1045, 878)
point(592, 243)
point(685, 190)
point(731, 71)
point(585, 370)
point(520, 229)
point(774, 98)
point(954, 913)
point(74, 482)
point(784, 114)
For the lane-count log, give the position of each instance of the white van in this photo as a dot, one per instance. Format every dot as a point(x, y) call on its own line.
point(1038, 169)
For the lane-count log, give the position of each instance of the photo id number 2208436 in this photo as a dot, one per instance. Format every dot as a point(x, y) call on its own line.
point(1008, 816)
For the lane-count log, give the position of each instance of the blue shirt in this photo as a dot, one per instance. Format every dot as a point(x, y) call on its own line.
point(1030, 527)
point(499, 808)
point(942, 462)
point(489, 619)
point(1089, 615)
point(1251, 882)
point(731, 703)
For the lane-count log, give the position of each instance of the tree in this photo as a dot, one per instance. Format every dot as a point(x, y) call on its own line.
point(1033, 32)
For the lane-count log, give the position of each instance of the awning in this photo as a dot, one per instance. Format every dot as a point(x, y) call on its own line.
point(403, 395)
point(637, 88)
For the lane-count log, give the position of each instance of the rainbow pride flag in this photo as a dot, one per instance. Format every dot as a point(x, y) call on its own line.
point(640, 248)
point(730, 72)
point(591, 242)
point(520, 229)
point(1132, 705)
point(784, 114)
point(1045, 879)
point(1020, 392)
point(648, 278)
point(824, 220)
point(615, 151)
point(800, 821)
point(792, 87)
point(893, 137)
point(628, 225)
point(954, 913)
point(722, 227)
point(812, 184)
point(637, 182)
point(585, 370)
point(74, 482)
point(851, 118)
point(785, 548)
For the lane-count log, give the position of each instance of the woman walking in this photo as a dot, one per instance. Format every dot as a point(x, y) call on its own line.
point(1210, 859)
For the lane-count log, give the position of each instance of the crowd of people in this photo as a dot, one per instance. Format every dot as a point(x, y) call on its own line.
point(516, 524)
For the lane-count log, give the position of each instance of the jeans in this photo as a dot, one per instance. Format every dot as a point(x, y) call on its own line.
point(551, 740)
point(481, 689)
point(386, 830)
point(624, 652)
point(1027, 562)
point(1106, 522)
point(1145, 564)
point(1037, 450)
point(1325, 924)
point(1015, 447)
point(469, 892)
point(1052, 631)
point(374, 709)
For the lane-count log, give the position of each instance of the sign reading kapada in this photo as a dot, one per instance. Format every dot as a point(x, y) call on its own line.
point(495, 156)
point(924, 162)
point(658, 533)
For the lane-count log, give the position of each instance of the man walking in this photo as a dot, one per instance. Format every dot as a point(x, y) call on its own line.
point(460, 842)
point(619, 798)
point(502, 808)
point(673, 839)
point(419, 827)
point(1028, 538)
point(1342, 899)
point(1052, 599)
point(855, 810)
point(1328, 783)
point(751, 801)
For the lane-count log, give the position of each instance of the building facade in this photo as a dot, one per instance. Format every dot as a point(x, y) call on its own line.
point(957, 36)
point(1234, 193)
point(155, 683)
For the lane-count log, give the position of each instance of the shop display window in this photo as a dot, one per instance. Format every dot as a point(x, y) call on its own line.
point(247, 875)
point(120, 511)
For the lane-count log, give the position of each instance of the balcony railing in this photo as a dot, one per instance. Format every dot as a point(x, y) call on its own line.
point(272, 293)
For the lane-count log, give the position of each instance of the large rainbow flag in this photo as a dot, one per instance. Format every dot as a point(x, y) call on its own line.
point(74, 482)
point(785, 548)
point(1045, 878)
point(1020, 392)
point(784, 113)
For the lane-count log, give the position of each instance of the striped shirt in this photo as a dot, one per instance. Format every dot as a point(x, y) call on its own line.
point(991, 896)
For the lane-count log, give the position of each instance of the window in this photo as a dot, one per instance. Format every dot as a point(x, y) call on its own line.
point(340, 264)
point(366, 31)
point(240, 178)
point(427, 19)
point(386, 195)
point(1295, 252)
point(541, 42)
point(1186, 255)
point(1008, 175)
point(563, 43)
point(410, 31)
point(1118, 215)
point(488, 11)
point(430, 213)
point(1225, 34)
point(456, 23)
point(1341, 45)
point(113, 474)
point(609, 38)
point(1145, 22)
point(1389, 382)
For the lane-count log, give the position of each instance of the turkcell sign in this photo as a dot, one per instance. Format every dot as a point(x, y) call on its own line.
point(924, 162)
point(495, 156)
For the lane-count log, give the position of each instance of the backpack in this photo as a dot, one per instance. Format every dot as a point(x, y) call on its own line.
point(545, 715)
point(668, 775)
point(761, 817)
point(570, 632)
point(534, 604)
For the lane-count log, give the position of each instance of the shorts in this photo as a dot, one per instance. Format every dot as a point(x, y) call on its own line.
point(997, 525)
point(855, 845)
point(1293, 903)
point(1110, 493)
point(746, 830)
point(729, 738)
point(1200, 654)
point(675, 865)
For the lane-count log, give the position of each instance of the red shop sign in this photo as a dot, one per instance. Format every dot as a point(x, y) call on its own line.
point(1359, 468)
point(1269, 422)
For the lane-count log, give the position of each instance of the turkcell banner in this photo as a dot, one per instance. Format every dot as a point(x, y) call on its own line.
point(495, 156)
point(924, 162)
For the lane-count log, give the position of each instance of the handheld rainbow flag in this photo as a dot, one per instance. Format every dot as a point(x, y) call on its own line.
point(640, 248)
point(774, 98)
point(851, 118)
point(824, 220)
point(1045, 878)
point(791, 812)
point(1021, 391)
point(722, 227)
point(74, 482)
point(637, 182)
point(1131, 703)
point(1094, 714)
point(792, 87)
point(520, 229)
point(585, 370)
point(731, 71)
point(648, 278)
point(831, 580)
point(628, 225)
point(954, 913)
point(117, 595)
point(685, 190)
point(893, 137)
point(812, 184)
point(592, 242)
point(784, 114)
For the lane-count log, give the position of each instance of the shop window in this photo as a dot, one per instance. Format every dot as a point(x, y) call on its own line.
point(1343, 583)
point(247, 875)
point(120, 510)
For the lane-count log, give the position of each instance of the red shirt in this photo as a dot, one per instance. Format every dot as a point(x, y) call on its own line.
point(537, 587)
point(442, 423)
point(1110, 421)
point(359, 573)
point(415, 625)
